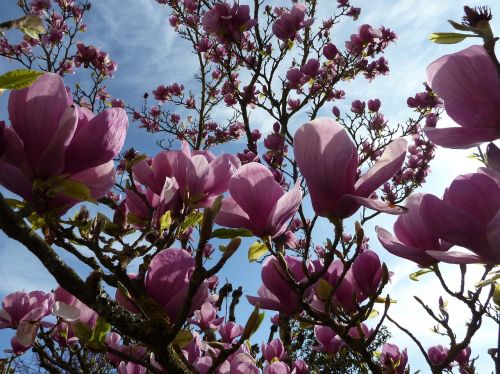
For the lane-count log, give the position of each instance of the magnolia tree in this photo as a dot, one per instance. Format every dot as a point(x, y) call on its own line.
point(146, 296)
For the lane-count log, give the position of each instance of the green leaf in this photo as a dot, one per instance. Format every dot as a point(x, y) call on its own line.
point(230, 233)
point(414, 276)
point(253, 323)
point(17, 79)
point(256, 251)
point(100, 330)
point(374, 313)
point(32, 26)
point(447, 37)
point(183, 338)
point(496, 295)
point(488, 281)
point(82, 331)
point(15, 204)
point(70, 188)
point(36, 221)
point(192, 220)
point(323, 289)
point(165, 221)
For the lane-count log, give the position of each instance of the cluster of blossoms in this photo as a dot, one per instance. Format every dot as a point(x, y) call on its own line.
point(90, 56)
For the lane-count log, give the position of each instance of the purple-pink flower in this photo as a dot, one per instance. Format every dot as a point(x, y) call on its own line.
point(167, 281)
point(328, 160)
point(51, 140)
point(469, 85)
point(258, 203)
point(468, 216)
point(393, 361)
point(273, 350)
point(413, 236)
point(289, 23)
point(275, 293)
point(228, 23)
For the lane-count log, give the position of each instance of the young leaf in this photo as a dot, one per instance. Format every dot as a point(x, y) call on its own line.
point(17, 79)
point(447, 37)
point(230, 233)
point(256, 251)
point(32, 26)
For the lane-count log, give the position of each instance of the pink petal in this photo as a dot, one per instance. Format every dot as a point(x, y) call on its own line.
point(15, 180)
point(349, 204)
point(144, 174)
point(284, 210)
point(98, 142)
point(254, 189)
point(100, 179)
point(35, 113)
point(328, 160)
point(468, 83)
point(51, 162)
point(453, 257)
point(197, 175)
point(461, 137)
point(394, 246)
point(231, 215)
point(384, 169)
point(452, 224)
point(493, 235)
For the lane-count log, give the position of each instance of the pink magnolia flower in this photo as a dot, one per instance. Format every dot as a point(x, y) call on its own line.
point(467, 216)
point(206, 317)
point(437, 354)
point(24, 311)
point(167, 281)
point(413, 236)
point(275, 293)
point(243, 363)
point(228, 23)
point(328, 160)
point(51, 139)
point(258, 203)
point(287, 26)
point(367, 272)
point(273, 349)
point(393, 360)
point(195, 177)
point(469, 85)
point(329, 341)
point(230, 331)
point(23, 306)
point(276, 367)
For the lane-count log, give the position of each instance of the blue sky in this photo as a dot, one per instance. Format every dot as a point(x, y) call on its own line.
point(136, 33)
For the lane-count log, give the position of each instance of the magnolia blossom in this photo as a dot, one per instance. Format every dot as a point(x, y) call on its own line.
point(273, 349)
point(328, 160)
point(228, 23)
point(194, 177)
point(467, 216)
point(52, 142)
point(393, 360)
point(437, 354)
point(328, 339)
point(413, 235)
point(275, 293)
point(206, 317)
point(230, 331)
point(287, 26)
point(258, 203)
point(23, 311)
point(167, 281)
point(469, 85)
